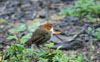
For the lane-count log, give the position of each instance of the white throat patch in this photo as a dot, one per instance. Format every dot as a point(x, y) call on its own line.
point(52, 31)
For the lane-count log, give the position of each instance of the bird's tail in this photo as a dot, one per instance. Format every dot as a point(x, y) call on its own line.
point(28, 43)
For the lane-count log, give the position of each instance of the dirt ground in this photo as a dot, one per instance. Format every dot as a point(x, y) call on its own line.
point(74, 37)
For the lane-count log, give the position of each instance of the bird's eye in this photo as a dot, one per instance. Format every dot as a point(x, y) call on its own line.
point(50, 26)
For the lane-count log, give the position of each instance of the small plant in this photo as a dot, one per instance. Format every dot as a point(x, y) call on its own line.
point(58, 56)
point(17, 53)
point(21, 29)
point(2, 20)
point(83, 8)
point(95, 33)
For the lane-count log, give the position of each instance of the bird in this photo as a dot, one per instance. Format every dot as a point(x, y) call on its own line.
point(42, 35)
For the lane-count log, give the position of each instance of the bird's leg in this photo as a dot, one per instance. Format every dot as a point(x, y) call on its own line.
point(39, 48)
point(34, 47)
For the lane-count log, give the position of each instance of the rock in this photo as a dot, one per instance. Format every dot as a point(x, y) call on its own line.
point(74, 19)
point(24, 2)
point(23, 20)
point(53, 12)
point(1, 29)
point(3, 0)
point(56, 17)
point(11, 9)
point(98, 44)
point(30, 14)
point(19, 15)
point(2, 8)
point(30, 8)
point(11, 20)
point(68, 1)
point(12, 4)
point(25, 5)
point(3, 17)
point(7, 13)
point(43, 14)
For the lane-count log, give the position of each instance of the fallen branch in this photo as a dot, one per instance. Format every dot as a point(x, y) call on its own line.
point(74, 37)
point(68, 45)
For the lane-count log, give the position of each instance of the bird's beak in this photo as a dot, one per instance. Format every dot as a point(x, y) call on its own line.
point(55, 32)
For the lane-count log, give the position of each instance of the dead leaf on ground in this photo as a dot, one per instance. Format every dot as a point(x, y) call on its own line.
point(56, 17)
point(0, 58)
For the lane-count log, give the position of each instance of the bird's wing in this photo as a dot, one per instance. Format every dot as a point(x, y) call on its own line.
point(37, 36)
point(35, 39)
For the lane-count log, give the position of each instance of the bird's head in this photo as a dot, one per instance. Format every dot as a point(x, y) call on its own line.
point(49, 27)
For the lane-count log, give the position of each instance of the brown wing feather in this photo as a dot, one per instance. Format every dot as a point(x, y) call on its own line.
point(34, 39)
point(37, 37)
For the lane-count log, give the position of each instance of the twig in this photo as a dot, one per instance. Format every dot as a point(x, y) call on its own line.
point(75, 36)
point(57, 35)
point(59, 38)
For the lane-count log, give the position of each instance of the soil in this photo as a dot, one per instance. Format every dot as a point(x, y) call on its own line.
point(74, 31)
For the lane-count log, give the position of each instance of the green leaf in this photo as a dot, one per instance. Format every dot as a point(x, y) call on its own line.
point(28, 52)
point(25, 38)
point(59, 47)
point(34, 26)
point(83, 8)
point(20, 48)
point(2, 20)
point(12, 37)
point(19, 28)
point(50, 44)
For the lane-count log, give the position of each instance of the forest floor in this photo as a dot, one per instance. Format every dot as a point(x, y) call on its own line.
point(74, 30)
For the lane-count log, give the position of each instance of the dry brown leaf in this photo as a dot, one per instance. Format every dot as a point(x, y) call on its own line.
point(0, 58)
point(56, 17)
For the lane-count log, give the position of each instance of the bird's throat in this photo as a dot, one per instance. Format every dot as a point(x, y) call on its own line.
point(52, 31)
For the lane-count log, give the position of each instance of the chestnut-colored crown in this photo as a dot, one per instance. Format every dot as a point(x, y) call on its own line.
point(47, 26)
